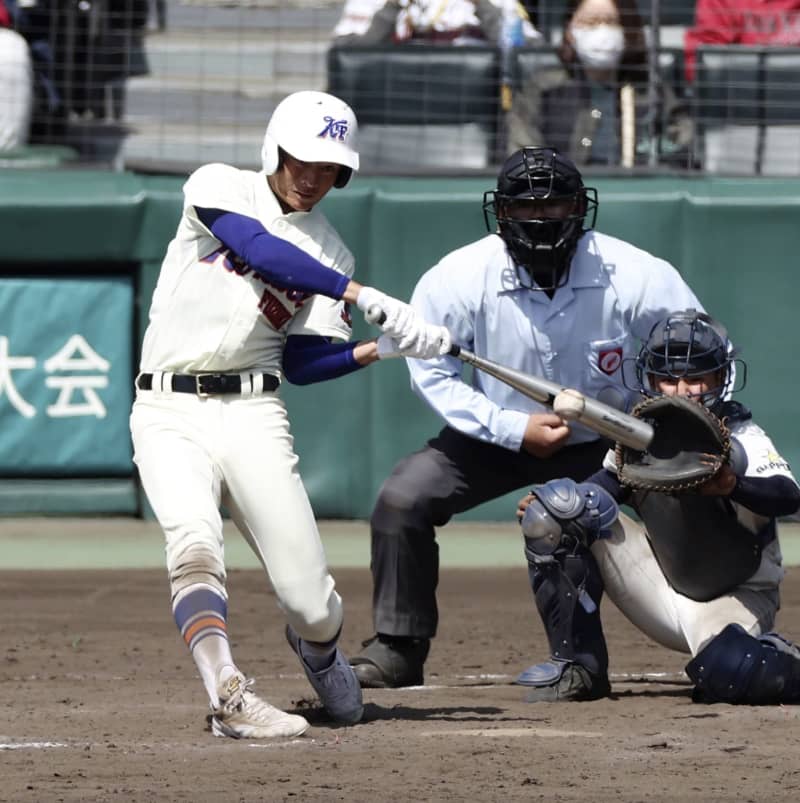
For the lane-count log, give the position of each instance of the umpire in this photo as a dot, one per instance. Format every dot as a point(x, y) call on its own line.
point(545, 294)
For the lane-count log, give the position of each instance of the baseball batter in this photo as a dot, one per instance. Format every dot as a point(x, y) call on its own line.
point(254, 286)
point(700, 573)
point(542, 293)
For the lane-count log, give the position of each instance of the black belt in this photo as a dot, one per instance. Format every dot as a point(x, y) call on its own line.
point(207, 384)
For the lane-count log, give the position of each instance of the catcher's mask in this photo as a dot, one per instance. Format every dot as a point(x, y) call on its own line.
point(685, 345)
point(542, 246)
point(313, 127)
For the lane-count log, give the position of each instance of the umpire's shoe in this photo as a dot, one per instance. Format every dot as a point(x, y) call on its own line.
point(562, 681)
point(336, 685)
point(388, 662)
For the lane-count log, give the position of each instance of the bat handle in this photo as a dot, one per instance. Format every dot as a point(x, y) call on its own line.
point(375, 315)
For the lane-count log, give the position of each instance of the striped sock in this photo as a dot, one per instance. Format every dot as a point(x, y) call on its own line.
point(201, 616)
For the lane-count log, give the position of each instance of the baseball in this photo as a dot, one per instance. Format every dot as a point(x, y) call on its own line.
point(569, 404)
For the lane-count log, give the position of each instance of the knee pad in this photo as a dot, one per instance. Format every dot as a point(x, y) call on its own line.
point(566, 512)
point(735, 667)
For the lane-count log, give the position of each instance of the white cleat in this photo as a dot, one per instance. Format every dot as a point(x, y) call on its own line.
point(337, 686)
point(241, 714)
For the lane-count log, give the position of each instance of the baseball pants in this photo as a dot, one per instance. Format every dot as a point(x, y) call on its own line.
point(635, 583)
point(453, 473)
point(195, 454)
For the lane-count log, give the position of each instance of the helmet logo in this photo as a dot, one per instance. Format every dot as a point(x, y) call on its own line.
point(335, 129)
point(608, 361)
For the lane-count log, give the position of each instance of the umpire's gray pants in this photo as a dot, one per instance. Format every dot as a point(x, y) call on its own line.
point(451, 474)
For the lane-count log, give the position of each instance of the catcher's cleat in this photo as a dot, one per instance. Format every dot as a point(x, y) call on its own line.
point(241, 714)
point(389, 662)
point(337, 686)
point(562, 681)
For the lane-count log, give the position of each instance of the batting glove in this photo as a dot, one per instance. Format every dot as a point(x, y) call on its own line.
point(398, 317)
point(425, 340)
point(428, 341)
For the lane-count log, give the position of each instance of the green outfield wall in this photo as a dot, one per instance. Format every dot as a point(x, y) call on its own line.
point(79, 257)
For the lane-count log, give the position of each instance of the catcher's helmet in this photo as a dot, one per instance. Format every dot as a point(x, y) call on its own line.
point(543, 246)
point(313, 127)
point(689, 344)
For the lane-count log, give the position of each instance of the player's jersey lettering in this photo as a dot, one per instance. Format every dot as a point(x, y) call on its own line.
point(271, 304)
point(233, 264)
point(335, 129)
point(273, 310)
point(773, 465)
point(772, 461)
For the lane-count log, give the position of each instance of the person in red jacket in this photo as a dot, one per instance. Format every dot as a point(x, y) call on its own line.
point(742, 22)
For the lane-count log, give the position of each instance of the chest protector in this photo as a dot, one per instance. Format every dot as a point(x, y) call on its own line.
point(699, 543)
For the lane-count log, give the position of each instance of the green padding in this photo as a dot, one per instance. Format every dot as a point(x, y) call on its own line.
point(735, 240)
point(69, 497)
point(62, 216)
point(34, 157)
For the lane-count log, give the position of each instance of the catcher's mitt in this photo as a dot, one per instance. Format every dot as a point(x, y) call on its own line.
point(689, 447)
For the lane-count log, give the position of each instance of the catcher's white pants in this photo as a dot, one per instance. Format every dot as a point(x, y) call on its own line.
point(194, 454)
point(635, 583)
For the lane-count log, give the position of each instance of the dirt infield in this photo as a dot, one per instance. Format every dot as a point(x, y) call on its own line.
point(100, 702)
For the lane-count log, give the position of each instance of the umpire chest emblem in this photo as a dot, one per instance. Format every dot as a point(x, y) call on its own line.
point(609, 360)
point(334, 129)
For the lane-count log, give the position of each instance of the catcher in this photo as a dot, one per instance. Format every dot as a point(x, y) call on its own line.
point(700, 573)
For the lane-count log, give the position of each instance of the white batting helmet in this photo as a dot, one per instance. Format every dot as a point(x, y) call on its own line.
point(313, 127)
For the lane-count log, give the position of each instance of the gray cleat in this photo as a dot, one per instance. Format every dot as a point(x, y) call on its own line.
point(337, 686)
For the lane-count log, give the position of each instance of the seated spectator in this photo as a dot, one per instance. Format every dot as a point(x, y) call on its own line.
point(80, 50)
point(742, 22)
point(33, 21)
point(158, 15)
point(456, 22)
point(16, 89)
point(357, 16)
point(595, 104)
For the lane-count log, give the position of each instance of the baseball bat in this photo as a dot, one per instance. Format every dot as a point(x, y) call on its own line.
point(571, 404)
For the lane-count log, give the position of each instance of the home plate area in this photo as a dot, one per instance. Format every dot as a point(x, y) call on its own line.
point(100, 701)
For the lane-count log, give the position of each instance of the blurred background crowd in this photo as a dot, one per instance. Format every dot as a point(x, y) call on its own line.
point(439, 86)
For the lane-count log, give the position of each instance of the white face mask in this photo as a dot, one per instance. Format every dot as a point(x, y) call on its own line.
point(599, 46)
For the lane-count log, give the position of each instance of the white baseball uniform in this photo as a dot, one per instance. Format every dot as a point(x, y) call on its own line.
point(636, 584)
point(212, 313)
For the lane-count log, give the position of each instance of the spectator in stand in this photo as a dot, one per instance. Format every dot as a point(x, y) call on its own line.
point(158, 15)
point(16, 89)
point(456, 22)
point(595, 104)
point(37, 21)
point(357, 16)
point(742, 22)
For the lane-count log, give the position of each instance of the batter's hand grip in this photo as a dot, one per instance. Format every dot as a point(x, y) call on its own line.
point(375, 315)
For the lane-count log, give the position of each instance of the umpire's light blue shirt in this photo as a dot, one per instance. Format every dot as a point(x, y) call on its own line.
point(579, 339)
